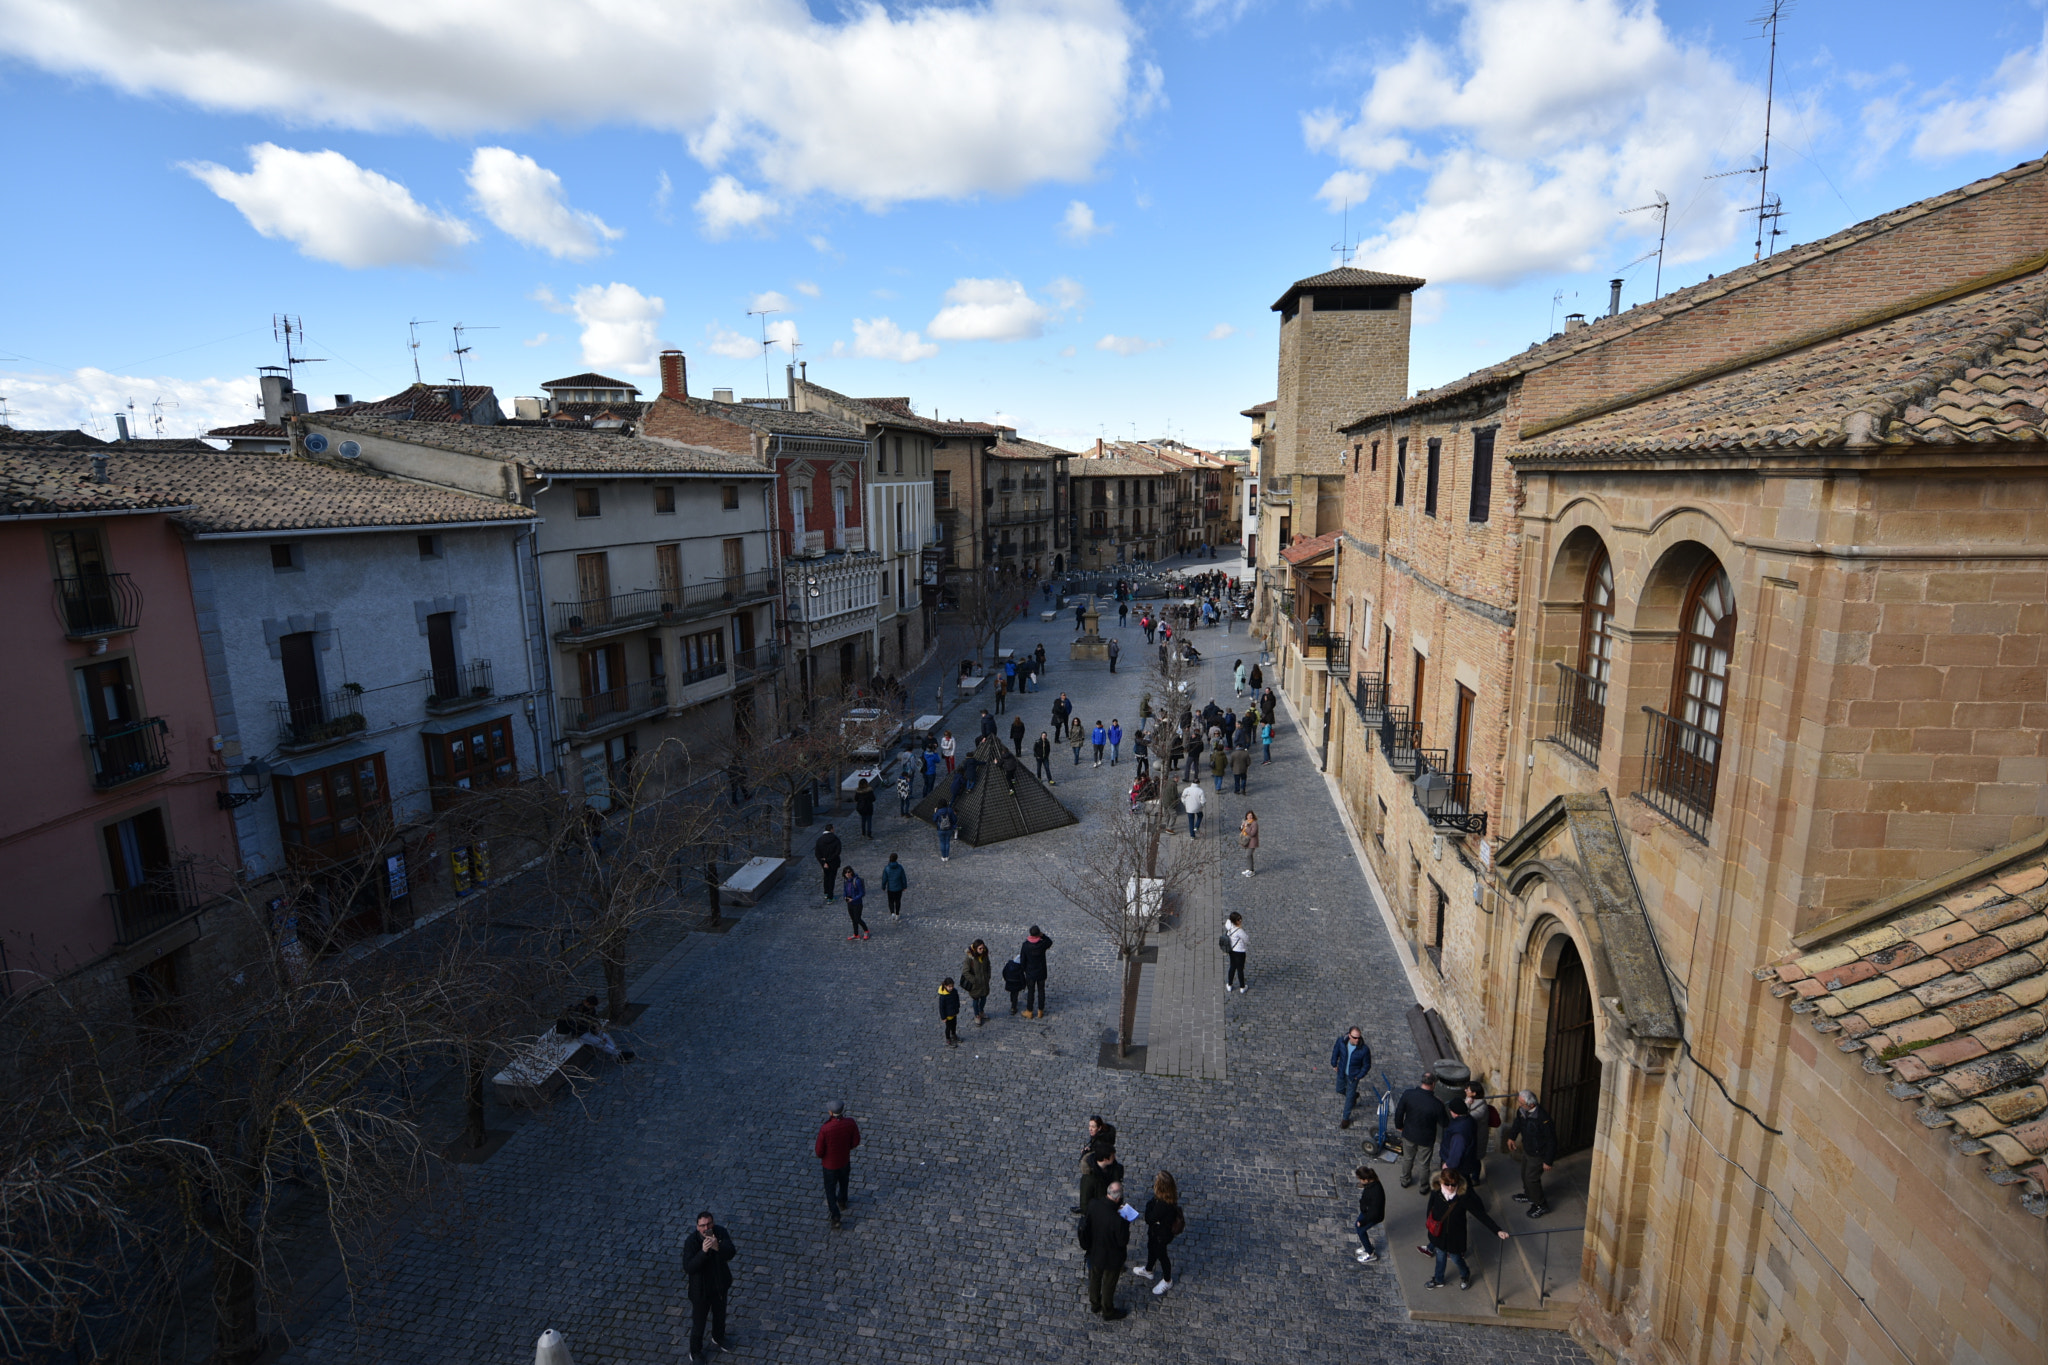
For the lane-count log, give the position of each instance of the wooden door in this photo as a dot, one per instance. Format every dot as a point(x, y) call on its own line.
point(743, 634)
point(441, 654)
point(594, 587)
point(1461, 743)
point(735, 561)
point(1571, 1069)
point(301, 678)
point(109, 700)
point(668, 567)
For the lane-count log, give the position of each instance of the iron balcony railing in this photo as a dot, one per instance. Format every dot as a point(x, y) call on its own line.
point(457, 688)
point(1370, 696)
point(748, 663)
point(1400, 737)
point(1032, 482)
point(131, 751)
point(325, 718)
point(1680, 764)
point(1445, 796)
point(1006, 485)
point(170, 894)
point(614, 706)
point(1581, 714)
point(98, 604)
point(593, 616)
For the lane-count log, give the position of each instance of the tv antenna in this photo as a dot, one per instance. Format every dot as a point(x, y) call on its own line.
point(289, 329)
point(767, 380)
point(156, 413)
point(1344, 246)
point(1663, 208)
point(1555, 301)
point(412, 332)
point(462, 374)
point(1768, 210)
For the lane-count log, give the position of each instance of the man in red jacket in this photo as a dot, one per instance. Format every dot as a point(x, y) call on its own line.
point(837, 1138)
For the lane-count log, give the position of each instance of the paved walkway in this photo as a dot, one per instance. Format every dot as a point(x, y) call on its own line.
point(958, 1247)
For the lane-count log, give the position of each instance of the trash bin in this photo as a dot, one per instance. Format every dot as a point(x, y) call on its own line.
point(1451, 1075)
point(802, 808)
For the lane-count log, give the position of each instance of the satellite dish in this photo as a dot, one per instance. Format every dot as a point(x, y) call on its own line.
point(348, 450)
point(315, 442)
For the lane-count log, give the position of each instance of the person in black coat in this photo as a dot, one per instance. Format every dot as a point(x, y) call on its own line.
point(1013, 980)
point(1461, 1141)
point(1532, 1137)
point(1419, 1115)
point(826, 851)
point(1108, 1243)
point(1163, 1222)
point(707, 1257)
point(1372, 1211)
point(1041, 753)
point(1033, 953)
point(1451, 1202)
point(1100, 1170)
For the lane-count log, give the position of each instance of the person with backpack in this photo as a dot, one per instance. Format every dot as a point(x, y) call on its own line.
point(895, 881)
point(974, 980)
point(1164, 1221)
point(1461, 1140)
point(903, 794)
point(1013, 980)
point(1237, 944)
point(945, 822)
point(1141, 749)
point(1485, 1118)
point(1372, 1211)
point(949, 1011)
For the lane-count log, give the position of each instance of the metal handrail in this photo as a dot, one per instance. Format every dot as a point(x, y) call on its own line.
point(308, 722)
point(170, 894)
point(627, 610)
point(1445, 797)
point(459, 687)
point(1370, 698)
point(1681, 763)
point(1400, 737)
point(613, 706)
point(97, 604)
point(1580, 716)
point(1543, 1276)
point(129, 752)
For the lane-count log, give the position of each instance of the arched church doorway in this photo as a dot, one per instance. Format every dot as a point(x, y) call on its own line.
point(1571, 1069)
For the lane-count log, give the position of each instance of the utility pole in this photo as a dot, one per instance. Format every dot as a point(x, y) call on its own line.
point(767, 378)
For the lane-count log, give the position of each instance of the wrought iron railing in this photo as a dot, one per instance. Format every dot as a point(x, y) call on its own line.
point(1581, 715)
point(170, 894)
point(1400, 737)
point(128, 752)
point(98, 604)
point(746, 663)
point(650, 606)
point(1680, 764)
point(1370, 696)
point(613, 706)
point(1541, 1276)
point(455, 688)
point(325, 718)
point(1445, 796)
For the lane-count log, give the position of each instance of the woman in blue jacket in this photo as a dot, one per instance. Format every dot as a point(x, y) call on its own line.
point(856, 892)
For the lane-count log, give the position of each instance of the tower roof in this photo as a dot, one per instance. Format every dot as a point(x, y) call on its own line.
point(1347, 277)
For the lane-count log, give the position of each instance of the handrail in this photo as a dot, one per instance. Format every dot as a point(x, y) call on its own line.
point(97, 604)
point(1580, 716)
point(1543, 1278)
point(1681, 762)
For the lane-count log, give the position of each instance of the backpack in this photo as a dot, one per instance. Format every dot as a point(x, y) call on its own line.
point(1085, 1235)
point(1223, 941)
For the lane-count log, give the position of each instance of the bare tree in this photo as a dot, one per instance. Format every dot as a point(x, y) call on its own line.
point(989, 605)
point(814, 752)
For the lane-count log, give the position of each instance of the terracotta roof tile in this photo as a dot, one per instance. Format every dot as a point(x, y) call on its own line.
point(1944, 999)
point(549, 450)
point(41, 480)
point(589, 379)
point(1302, 551)
point(1349, 277)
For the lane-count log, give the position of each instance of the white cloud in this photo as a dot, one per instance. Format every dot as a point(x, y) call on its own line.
point(664, 190)
point(2012, 117)
point(820, 243)
point(1036, 89)
point(1127, 345)
point(1533, 129)
point(1079, 224)
point(770, 302)
point(541, 339)
point(882, 339)
point(621, 327)
point(1068, 294)
point(989, 310)
point(1067, 351)
point(808, 290)
point(545, 297)
point(88, 399)
point(1210, 16)
point(782, 332)
point(1221, 330)
point(332, 209)
point(732, 345)
point(727, 204)
point(523, 200)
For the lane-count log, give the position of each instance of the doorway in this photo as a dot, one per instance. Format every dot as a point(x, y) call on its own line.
point(1571, 1069)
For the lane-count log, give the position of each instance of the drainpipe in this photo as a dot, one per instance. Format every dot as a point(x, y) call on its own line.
point(1337, 586)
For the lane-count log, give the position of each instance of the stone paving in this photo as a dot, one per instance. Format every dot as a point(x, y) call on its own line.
point(958, 1247)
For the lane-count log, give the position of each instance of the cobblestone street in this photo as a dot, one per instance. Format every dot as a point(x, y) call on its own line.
point(958, 1247)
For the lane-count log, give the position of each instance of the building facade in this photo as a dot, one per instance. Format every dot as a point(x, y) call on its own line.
point(1129, 510)
point(1004, 504)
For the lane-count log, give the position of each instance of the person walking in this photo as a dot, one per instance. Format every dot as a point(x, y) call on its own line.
point(975, 973)
point(1192, 799)
point(945, 822)
point(1255, 679)
point(1228, 720)
point(1116, 740)
point(1061, 709)
point(1039, 654)
point(1099, 737)
point(1219, 764)
point(864, 806)
point(1240, 944)
point(1461, 1140)
point(1266, 740)
point(904, 794)
point(949, 1011)
point(1017, 735)
point(1248, 840)
point(1451, 1202)
point(1240, 769)
point(1013, 979)
point(1042, 752)
point(1532, 1137)
point(1164, 1221)
point(1350, 1059)
point(1141, 750)
point(1419, 1114)
point(1002, 692)
point(1485, 1118)
point(1237, 676)
point(856, 898)
point(707, 1266)
point(837, 1137)
point(1115, 651)
point(1106, 1236)
point(895, 881)
point(931, 766)
point(1123, 612)
point(1032, 954)
point(1192, 756)
point(947, 748)
point(988, 726)
point(827, 851)
point(1076, 736)
point(1372, 1211)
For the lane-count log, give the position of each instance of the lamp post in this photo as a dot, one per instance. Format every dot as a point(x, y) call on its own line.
point(251, 775)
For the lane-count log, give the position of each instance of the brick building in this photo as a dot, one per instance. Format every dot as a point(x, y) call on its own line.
point(1003, 502)
point(1715, 677)
point(1129, 509)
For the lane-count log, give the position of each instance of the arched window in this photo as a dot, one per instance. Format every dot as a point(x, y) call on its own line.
point(1687, 755)
point(1588, 702)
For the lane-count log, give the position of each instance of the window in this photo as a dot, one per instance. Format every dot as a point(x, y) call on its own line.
point(1357, 454)
point(478, 755)
point(430, 547)
point(1439, 903)
point(1375, 457)
point(703, 656)
point(657, 661)
point(1596, 623)
point(301, 662)
point(730, 497)
point(1379, 828)
point(284, 556)
point(1706, 642)
point(145, 896)
point(664, 499)
point(1436, 451)
point(1421, 677)
point(942, 488)
point(1461, 735)
point(441, 654)
point(1152, 493)
point(898, 442)
point(1482, 476)
point(1401, 472)
point(668, 572)
point(1098, 495)
point(587, 504)
point(324, 813)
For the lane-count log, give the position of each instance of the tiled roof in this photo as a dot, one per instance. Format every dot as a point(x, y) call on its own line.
point(778, 422)
point(1255, 409)
point(894, 412)
point(1114, 467)
point(1017, 448)
point(1971, 370)
point(547, 450)
point(588, 380)
point(230, 490)
point(273, 430)
point(1348, 277)
point(1302, 551)
point(1599, 331)
point(52, 436)
point(41, 479)
point(421, 403)
point(1946, 999)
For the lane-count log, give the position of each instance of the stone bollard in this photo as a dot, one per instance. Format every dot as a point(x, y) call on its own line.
point(551, 1349)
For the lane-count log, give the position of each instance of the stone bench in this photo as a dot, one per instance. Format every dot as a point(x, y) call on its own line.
point(752, 880)
point(535, 1071)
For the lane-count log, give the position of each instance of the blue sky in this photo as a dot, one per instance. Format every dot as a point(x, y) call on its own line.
point(1072, 214)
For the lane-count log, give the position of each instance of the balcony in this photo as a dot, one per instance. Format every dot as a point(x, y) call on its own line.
point(748, 664)
point(593, 617)
point(1680, 765)
point(459, 689)
point(170, 894)
point(1370, 696)
point(1444, 796)
point(1581, 715)
point(607, 710)
point(133, 751)
point(92, 605)
point(1400, 738)
point(318, 721)
point(1022, 517)
point(1006, 485)
point(1032, 483)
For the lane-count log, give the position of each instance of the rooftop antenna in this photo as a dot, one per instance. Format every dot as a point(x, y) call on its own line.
point(1663, 207)
point(1766, 210)
point(289, 328)
point(1555, 300)
point(156, 413)
point(1344, 246)
point(412, 332)
point(767, 378)
point(462, 374)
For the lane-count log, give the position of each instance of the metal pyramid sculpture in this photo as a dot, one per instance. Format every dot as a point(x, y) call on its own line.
point(1007, 800)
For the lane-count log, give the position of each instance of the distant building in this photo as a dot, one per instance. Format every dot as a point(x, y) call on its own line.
point(588, 397)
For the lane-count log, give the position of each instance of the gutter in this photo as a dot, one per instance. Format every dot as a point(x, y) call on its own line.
point(519, 524)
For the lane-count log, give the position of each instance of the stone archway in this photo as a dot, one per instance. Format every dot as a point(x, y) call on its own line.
point(1571, 1059)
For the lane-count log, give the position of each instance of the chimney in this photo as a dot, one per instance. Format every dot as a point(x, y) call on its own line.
point(120, 425)
point(721, 395)
point(99, 467)
point(277, 392)
point(675, 376)
point(1574, 321)
point(1613, 297)
point(342, 400)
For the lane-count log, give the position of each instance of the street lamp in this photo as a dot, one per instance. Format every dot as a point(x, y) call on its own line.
point(251, 776)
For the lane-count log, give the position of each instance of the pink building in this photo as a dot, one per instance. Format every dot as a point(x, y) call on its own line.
point(112, 822)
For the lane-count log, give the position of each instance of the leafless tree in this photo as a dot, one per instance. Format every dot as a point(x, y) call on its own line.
point(815, 752)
